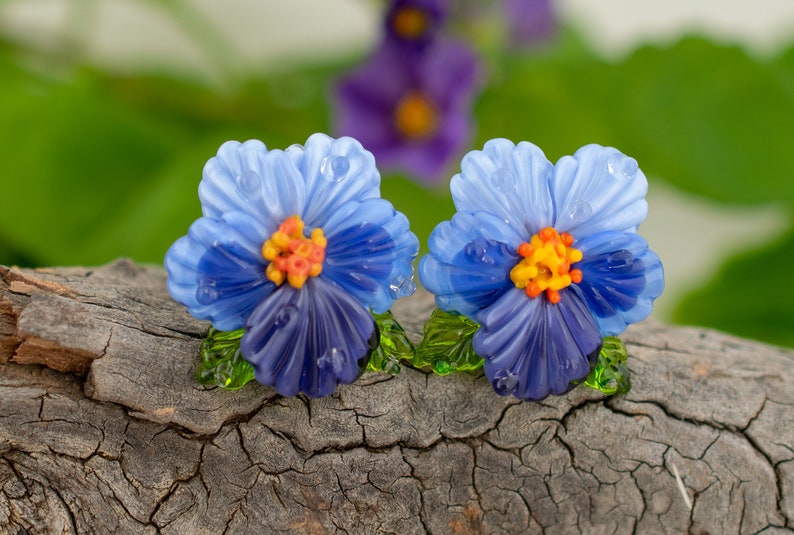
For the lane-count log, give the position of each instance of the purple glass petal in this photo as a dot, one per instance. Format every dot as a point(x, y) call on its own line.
point(308, 340)
point(533, 348)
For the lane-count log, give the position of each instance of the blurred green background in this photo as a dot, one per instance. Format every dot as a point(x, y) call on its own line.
point(109, 109)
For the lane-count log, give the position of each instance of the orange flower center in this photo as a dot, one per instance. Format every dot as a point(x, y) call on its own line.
point(415, 116)
point(409, 22)
point(292, 256)
point(546, 266)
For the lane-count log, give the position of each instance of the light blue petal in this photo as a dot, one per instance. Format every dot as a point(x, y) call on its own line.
point(369, 253)
point(217, 270)
point(247, 178)
point(597, 189)
point(335, 171)
point(533, 348)
point(509, 181)
point(308, 340)
point(470, 261)
point(621, 278)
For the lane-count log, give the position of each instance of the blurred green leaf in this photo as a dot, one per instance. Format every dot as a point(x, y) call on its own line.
point(424, 208)
point(706, 117)
point(73, 156)
point(711, 120)
point(746, 300)
point(97, 166)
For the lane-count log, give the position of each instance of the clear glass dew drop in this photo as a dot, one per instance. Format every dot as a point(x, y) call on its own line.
point(247, 183)
point(505, 382)
point(332, 359)
point(286, 315)
point(629, 167)
point(401, 287)
point(580, 211)
point(335, 168)
point(503, 180)
point(620, 261)
point(207, 293)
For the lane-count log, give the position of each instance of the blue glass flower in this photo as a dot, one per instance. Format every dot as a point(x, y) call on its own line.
point(545, 258)
point(297, 248)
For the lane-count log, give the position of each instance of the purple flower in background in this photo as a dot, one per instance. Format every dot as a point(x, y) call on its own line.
point(412, 111)
point(414, 23)
point(529, 21)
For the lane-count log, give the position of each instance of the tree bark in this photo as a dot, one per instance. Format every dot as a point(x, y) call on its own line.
point(103, 429)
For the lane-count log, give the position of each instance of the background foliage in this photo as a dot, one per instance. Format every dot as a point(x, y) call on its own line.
point(98, 165)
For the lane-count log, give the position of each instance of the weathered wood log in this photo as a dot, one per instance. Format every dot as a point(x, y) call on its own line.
point(103, 429)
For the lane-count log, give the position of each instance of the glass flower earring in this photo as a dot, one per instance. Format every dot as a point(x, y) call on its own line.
point(540, 269)
point(295, 262)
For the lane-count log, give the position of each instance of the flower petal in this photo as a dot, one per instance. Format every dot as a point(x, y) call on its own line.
point(621, 277)
point(510, 181)
point(596, 189)
point(247, 178)
point(445, 75)
point(308, 340)
point(369, 253)
point(449, 73)
point(469, 262)
point(533, 348)
point(335, 171)
point(217, 270)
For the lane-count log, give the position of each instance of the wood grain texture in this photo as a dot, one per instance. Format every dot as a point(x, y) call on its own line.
point(103, 429)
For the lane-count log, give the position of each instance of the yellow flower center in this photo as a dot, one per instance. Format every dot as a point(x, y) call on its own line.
point(409, 22)
point(415, 116)
point(292, 256)
point(546, 266)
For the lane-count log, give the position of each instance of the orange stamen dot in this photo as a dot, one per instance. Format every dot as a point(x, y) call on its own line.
point(546, 265)
point(525, 249)
point(293, 257)
point(547, 234)
point(409, 23)
point(415, 116)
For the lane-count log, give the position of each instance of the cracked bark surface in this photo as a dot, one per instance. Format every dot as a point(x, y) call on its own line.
point(103, 429)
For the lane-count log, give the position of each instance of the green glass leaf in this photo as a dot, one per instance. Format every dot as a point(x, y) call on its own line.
point(446, 344)
point(746, 300)
point(222, 364)
point(394, 345)
point(610, 374)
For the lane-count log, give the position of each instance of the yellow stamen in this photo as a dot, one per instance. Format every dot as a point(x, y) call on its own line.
point(292, 256)
point(415, 116)
point(409, 23)
point(546, 266)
